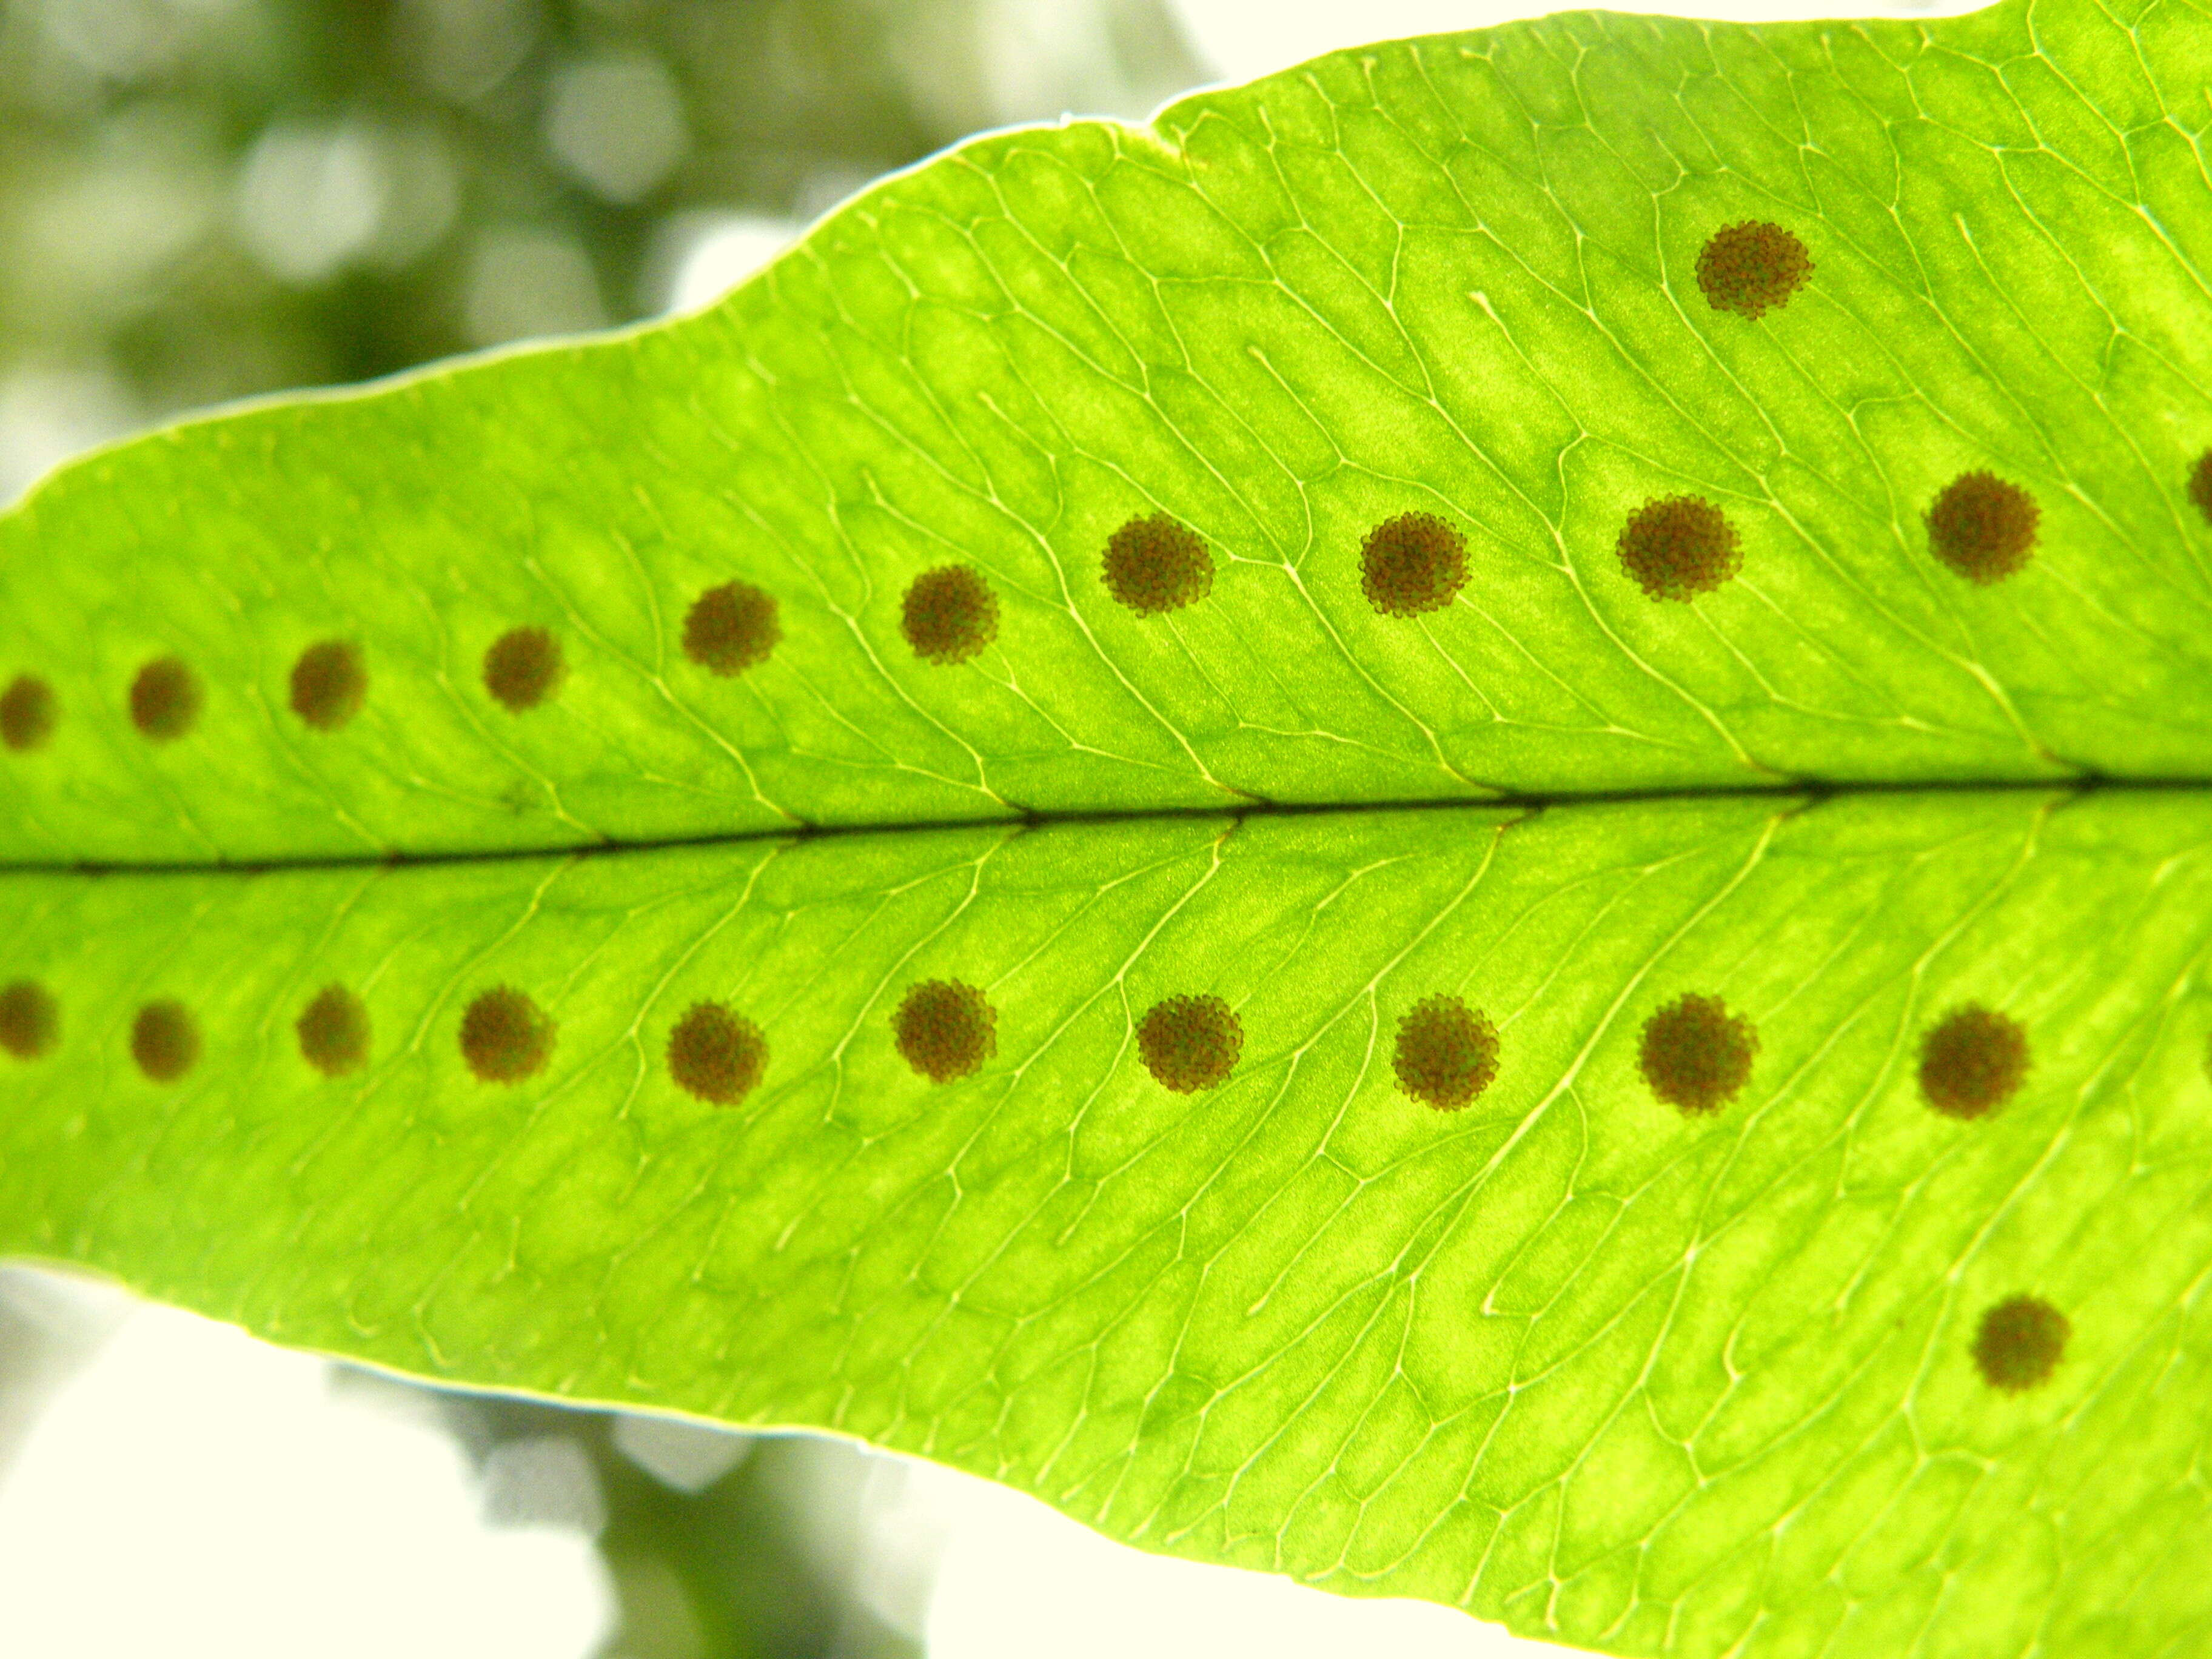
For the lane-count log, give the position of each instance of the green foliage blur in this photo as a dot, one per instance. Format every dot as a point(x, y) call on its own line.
point(202, 200)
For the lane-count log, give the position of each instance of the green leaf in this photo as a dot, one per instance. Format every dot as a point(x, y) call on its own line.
point(1629, 1347)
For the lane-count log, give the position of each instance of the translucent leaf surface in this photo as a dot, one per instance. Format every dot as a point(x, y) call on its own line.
point(1809, 1263)
point(1457, 277)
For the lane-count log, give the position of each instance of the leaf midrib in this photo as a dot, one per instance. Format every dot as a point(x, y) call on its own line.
point(1810, 793)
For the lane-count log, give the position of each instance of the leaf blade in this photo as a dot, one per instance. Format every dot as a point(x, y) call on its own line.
point(1717, 1391)
point(1500, 1358)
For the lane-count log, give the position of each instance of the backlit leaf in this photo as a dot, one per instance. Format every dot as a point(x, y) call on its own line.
point(1445, 829)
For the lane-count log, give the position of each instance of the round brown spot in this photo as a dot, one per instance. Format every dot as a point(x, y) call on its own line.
point(329, 684)
point(2020, 1343)
point(1413, 563)
point(164, 1041)
point(1983, 527)
point(1751, 268)
point(30, 1019)
point(1154, 565)
point(731, 629)
point(523, 668)
point(1972, 1061)
point(1679, 546)
point(2200, 485)
point(1447, 1053)
point(1190, 1043)
point(945, 1029)
point(165, 699)
point(26, 712)
point(1696, 1055)
point(716, 1055)
point(505, 1037)
point(949, 614)
point(334, 1032)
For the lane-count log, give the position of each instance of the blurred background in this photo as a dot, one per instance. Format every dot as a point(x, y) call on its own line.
point(172, 1487)
point(203, 200)
point(206, 199)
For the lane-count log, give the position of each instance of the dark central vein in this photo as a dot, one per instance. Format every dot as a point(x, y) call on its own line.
point(1805, 795)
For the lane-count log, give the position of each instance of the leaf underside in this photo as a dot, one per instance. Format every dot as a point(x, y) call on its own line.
point(393, 796)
